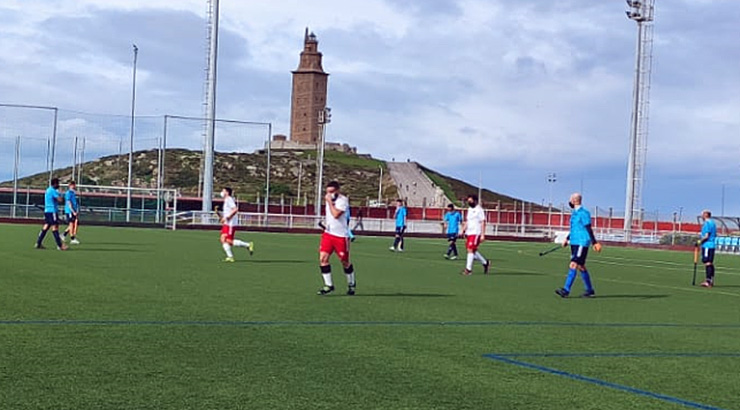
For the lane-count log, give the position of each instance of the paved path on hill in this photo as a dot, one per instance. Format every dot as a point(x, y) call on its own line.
point(415, 186)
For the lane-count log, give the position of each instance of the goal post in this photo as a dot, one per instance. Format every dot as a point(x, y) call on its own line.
point(157, 206)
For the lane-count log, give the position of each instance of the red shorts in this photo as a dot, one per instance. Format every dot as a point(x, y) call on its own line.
point(473, 242)
point(229, 231)
point(338, 244)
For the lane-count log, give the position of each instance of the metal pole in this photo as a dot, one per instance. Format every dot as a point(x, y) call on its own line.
point(53, 148)
point(324, 118)
point(722, 212)
point(15, 174)
point(300, 178)
point(210, 139)
point(74, 158)
point(82, 160)
point(267, 185)
point(159, 181)
point(131, 137)
point(380, 184)
point(160, 172)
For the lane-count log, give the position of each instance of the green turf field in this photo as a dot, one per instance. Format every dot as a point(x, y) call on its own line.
point(152, 319)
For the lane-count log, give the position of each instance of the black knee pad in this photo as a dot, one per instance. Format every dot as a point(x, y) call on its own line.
point(326, 269)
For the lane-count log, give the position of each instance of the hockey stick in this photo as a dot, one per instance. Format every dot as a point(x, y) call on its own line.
point(549, 251)
point(696, 260)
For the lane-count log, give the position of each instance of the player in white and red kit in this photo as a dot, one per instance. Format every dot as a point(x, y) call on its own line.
point(475, 231)
point(335, 238)
point(228, 228)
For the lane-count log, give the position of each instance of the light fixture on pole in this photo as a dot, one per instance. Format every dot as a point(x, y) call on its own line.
point(131, 138)
point(324, 118)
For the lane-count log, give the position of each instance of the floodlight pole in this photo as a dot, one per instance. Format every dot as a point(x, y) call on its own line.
point(131, 137)
point(267, 182)
point(642, 12)
point(15, 173)
point(210, 107)
point(551, 179)
point(380, 184)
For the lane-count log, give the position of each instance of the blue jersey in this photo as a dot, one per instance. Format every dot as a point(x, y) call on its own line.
point(70, 197)
point(400, 216)
point(51, 199)
point(579, 219)
point(453, 220)
point(709, 230)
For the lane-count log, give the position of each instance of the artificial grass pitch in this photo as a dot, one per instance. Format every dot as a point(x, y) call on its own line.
point(152, 319)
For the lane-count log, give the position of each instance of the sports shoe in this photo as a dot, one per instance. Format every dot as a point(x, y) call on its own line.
point(486, 267)
point(562, 293)
point(400, 249)
point(251, 248)
point(62, 248)
point(74, 242)
point(392, 249)
point(37, 246)
point(446, 256)
point(707, 284)
point(229, 260)
point(466, 272)
point(326, 290)
point(453, 257)
point(351, 289)
point(588, 294)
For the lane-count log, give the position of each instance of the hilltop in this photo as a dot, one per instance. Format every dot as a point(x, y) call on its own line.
point(246, 174)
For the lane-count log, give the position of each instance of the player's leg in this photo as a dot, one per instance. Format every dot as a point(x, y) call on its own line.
point(42, 234)
point(402, 242)
point(55, 231)
point(396, 239)
point(242, 244)
point(68, 230)
point(483, 260)
point(326, 248)
point(707, 258)
point(75, 224)
point(589, 293)
point(471, 245)
point(453, 246)
point(349, 269)
point(575, 253)
point(226, 243)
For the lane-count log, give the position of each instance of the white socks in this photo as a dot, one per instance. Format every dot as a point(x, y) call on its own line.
point(469, 264)
point(241, 244)
point(327, 279)
point(227, 249)
point(351, 278)
point(480, 257)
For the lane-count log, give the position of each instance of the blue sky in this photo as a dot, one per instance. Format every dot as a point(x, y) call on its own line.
point(510, 89)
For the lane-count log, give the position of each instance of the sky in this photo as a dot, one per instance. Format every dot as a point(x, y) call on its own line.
point(505, 91)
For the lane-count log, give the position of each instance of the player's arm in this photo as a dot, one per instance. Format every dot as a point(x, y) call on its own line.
point(335, 212)
point(597, 245)
point(483, 230)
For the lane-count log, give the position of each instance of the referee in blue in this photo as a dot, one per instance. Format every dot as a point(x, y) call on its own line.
point(708, 243)
point(580, 238)
point(52, 199)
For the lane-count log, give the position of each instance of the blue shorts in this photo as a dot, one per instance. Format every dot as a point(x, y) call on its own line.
point(51, 218)
point(578, 254)
point(707, 255)
point(400, 230)
point(71, 218)
point(452, 237)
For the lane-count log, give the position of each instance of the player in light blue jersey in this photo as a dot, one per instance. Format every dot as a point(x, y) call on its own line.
point(708, 243)
point(71, 211)
point(400, 216)
point(451, 221)
point(52, 199)
point(580, 238)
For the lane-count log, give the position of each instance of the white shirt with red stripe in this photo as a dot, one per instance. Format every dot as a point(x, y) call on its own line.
point(229, 207)
point(475, 218)
point(338, 226)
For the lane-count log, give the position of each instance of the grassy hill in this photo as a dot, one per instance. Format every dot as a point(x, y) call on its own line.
point(246, 174)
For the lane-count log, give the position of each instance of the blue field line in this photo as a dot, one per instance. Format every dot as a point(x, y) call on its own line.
point(602, 383)
point(624, 355)
point(239, 323)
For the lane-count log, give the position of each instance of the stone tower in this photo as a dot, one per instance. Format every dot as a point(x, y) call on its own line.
point(309, 93)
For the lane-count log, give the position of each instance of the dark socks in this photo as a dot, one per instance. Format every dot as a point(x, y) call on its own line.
point(42, 235)
point(57, 238)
